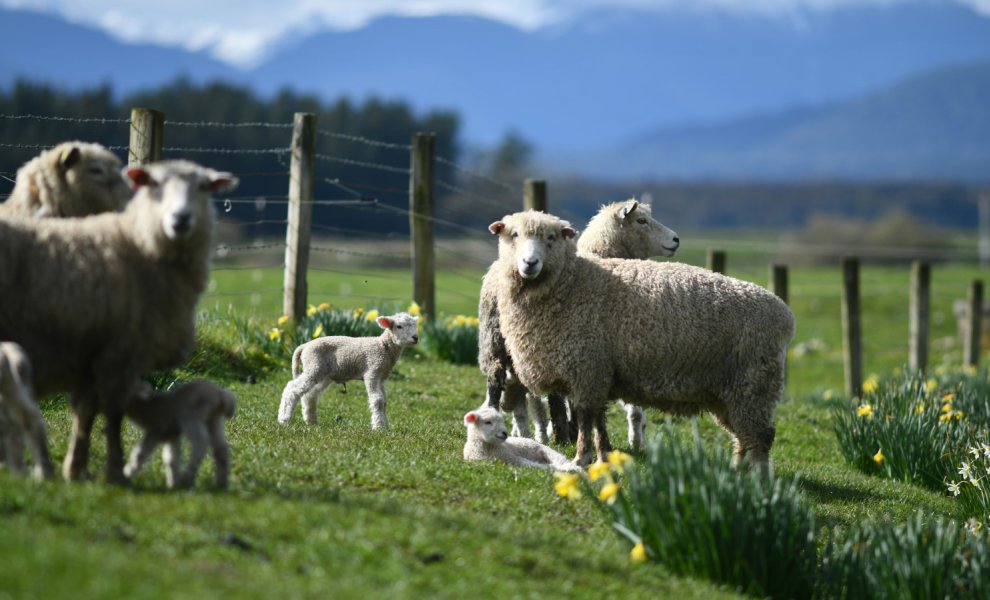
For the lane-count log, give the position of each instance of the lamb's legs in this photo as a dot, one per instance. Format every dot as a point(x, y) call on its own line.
point(636, 417)
point(514, 400)
point(221, 452)
point(311, 397)
point(558, 418)
point(140, 455)
point(535, 405)
point(290, 397)
point(77, 456)
point(377, 402)
point(199, 444)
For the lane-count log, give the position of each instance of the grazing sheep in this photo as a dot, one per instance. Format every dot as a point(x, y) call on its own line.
point(487, 439)
point(195, 410)
point(320, 362)
point(73, 179)
point(97, 302)
point(619, 230)
point(665, 335)
point(20, 415)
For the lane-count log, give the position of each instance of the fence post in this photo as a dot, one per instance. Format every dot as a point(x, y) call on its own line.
point(716, 261)
point(851, 332)
point(974, 324)
point(921, 280)
point(778, 281)
point(297, 233)
point(421, 210)
point(535, 195)
point(147, 129)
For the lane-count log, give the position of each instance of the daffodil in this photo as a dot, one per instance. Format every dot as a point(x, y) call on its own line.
point(920, 408)
point(323, 307)
point(945, 418)
point(598, 470)
point(472, 321)
point(638, 553)
point(567, 485)
point(318, 332)
point(460, 321)
point(931, 385)
point(879, 457)
point(948, 398)
point(954, 488)
point(283, 320)
point(965, 470)
point(274, 334)
point(310, 311)
point(413, 309)
point(609, 492)
point(865, 411)
point(946, 408)
point(619, 460)
point(871, 384)
point(970, 370)
point(371, 316)
point(958, 415)
point(828, 394)
point(358, 312)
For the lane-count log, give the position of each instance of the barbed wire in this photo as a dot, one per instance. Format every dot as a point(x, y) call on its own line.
point(432, 219)
point(364, 140)
point(360, 163)
point(100, 120)
point(335, 250)
point(219, 125)
point(285, 150)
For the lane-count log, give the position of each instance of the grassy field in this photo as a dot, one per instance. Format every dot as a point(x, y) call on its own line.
point(335, 510)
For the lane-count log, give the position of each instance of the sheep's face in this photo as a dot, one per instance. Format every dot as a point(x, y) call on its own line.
point(644, 235)
point(487, 424)
point(93, 173)
point(402, 326)
point(530, 239)
point(183, 191)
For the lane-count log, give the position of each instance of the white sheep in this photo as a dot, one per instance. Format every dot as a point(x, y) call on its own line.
point(20, 415)
point(487, 439)
point(665, 335)
point(73, 179)
point(195, 410)
point(320, 362)
point(99, 301)
point(619, 230)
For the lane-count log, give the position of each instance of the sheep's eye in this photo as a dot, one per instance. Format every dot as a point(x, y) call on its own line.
point(205, 186)
point(398, 326)
point(488, 422)
point(95, 170)
point(515, 234)
point(641, 221)
point(551, 238)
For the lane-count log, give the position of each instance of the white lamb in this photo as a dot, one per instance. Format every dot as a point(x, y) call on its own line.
point(320, 362)
point(20, 415)
point(487, 439)
point(98, 302)
point(73, 179)
point(195, 410)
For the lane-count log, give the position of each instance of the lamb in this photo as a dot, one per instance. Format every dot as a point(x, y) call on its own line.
point(619, 230)
point(102, 300)
point(195, 410)
point(665, 335)
point(73, 179)
point(20, 415)
point(320, 362)
point(487, 439)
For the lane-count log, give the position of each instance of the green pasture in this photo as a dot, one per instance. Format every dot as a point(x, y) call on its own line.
point(338, 511)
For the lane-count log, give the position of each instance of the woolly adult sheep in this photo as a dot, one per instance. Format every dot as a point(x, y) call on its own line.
point(20, 415)
point(665, 335)
point(619, 230)
point(73, 179)
point(487, 439)
point(337, 358)
point(99, 301)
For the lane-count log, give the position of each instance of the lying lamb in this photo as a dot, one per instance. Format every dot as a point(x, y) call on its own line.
point(100, 301)
point(73, 179)
point(666, 335)
point(320, 362)
point(487, 439)
point(195, 410)
point(20, 415)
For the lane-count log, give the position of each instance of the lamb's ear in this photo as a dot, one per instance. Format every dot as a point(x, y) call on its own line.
point(384, 322)
point(138, 176)
point(221, 181)
point(568, 232)
point(69, 157)
point(628, 208)
point(497, 227)
point(470, 418)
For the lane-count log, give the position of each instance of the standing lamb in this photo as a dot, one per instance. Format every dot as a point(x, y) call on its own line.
point(665, 335)
point(487, 439)
point(195, 410)
point(99, 301)
point(619, 230)
point(20, 415)
point(320, 362)
point(73, 179)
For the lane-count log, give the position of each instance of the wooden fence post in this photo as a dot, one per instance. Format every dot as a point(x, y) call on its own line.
point(921, 280)
point(974, 324)
point(297, 233)
point(851, 332)
point(147, 129)
point(535, 195)
point(716, 261)
point(778, 281)
point(421, 210)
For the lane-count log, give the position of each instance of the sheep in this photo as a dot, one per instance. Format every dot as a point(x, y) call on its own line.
point(665, 335)
point(320, 362)
point(487, 439)
point(20, 415)
point(195, 410)
point(99, 301)
point(619, 230)
point(73, 179)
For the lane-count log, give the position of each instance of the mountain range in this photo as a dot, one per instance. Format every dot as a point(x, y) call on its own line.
point(883, 90)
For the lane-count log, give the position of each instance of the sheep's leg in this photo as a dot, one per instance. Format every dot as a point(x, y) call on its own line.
point(199, 445)
point(585, 420)
point(13, 449)
point(221, 452)
point(377, 402)
point(172, 459)
point(602, 444)
point(514, 400)
point(114, 416)
point(37, 437)
point(140, 454)
point(539, 416)
point(558, 419)
point(496, 385)
point(636, 417)
point(290, 397)
point(77, 456)
point(310, 398)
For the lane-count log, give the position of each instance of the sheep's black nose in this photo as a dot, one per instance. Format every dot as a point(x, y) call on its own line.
point(677, 240)
point(415, 339)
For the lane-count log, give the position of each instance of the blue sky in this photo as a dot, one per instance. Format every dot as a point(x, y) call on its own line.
point(241, 32)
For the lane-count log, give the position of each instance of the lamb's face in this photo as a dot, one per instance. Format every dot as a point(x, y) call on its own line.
point(530, 239)
point(487, 424)
point(93, 173)
point(645, 235)
point(402, 326)
point(183, 191)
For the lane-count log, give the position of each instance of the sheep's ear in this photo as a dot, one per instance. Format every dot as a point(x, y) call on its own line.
point(628, 208)
point(568, 232)
point(470, 418)
point(222, 182)
point(497, 227)
point(138, 176)
point(69, 157)
point(384, 322)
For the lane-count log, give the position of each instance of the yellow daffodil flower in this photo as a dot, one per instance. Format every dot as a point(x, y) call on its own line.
point(413, 309)
point(930, 385)
point(372, 315)
point(358, 312)
point(865, 411)
point(322, 307)
point(638, 553)
point(948, 398)
point(310, 311)
point(318, 332)
point(619, 460)
point(871, 384)
point(567, 485)
point(274, 334)
point(598, 470)
point(282, 320)
point(609, 492)
point(879, 457)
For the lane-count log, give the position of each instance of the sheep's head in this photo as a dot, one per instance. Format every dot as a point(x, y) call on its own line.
point(92, 175)
point(183, 190)
point(402, 326)
point(487, 424)
point(628, 230)
point(532, 239)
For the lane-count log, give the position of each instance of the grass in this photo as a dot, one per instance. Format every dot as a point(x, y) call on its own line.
point(337, 510)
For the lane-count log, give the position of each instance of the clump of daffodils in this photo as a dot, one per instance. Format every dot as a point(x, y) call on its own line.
point(971, 488)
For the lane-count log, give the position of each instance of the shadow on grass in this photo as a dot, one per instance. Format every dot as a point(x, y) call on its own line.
point(830, 492)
